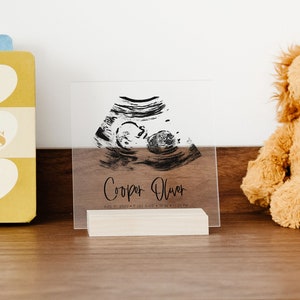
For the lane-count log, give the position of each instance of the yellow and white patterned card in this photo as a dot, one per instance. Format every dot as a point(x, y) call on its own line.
point(17, 137)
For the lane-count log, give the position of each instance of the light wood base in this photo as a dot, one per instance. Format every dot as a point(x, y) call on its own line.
point(147, 222)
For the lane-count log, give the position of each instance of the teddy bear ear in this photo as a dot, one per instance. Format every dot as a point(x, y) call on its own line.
point(288, 108)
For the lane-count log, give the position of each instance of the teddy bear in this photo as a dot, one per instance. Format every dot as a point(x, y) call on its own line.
point(272, 180)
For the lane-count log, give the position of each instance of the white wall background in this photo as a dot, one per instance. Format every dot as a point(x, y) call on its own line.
point(233, 42)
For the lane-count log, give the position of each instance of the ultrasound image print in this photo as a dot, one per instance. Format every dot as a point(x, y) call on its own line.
point(133, 125)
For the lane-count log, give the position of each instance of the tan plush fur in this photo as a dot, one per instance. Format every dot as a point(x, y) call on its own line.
point(273, 179)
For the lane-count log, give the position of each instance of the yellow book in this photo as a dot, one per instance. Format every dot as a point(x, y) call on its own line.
point(17, 137)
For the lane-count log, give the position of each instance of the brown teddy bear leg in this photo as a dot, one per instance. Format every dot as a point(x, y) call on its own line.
point(285, 204)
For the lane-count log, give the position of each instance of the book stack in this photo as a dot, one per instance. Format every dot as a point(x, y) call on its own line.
point(17, 134)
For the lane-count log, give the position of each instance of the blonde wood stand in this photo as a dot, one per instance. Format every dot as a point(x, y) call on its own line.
point(143, 222)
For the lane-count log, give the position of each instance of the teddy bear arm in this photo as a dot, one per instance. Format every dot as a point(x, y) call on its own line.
point(269, 170)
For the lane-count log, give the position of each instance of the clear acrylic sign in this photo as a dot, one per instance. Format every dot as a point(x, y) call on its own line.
point(143, 145)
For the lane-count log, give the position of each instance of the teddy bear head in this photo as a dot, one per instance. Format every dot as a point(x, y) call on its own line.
point(288, 85)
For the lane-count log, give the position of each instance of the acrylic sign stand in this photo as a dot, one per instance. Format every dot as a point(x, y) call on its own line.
point(135, 171)
point(17, 134)
point(186, 221)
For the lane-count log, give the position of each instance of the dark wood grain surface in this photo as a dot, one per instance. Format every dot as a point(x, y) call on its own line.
point(54, 179)
point(248, 257)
